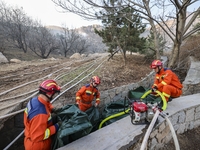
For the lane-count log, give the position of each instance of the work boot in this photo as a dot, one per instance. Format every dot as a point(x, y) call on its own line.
point(170, 99)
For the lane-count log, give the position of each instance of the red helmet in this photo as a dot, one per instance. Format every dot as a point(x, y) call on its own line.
point(49, 87)
point(156, 63)
point(96, 80)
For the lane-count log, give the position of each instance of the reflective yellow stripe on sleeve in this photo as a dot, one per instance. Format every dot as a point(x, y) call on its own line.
point(77, 97)
point(46, 134)
point(26, 110)
point(166, 95)
point(164, 83)
point(98, 99)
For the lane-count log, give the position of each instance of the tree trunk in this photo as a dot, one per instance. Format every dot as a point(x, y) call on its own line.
point(124, 56)
point(174, 55)
point(156, 41)
point(180, 24)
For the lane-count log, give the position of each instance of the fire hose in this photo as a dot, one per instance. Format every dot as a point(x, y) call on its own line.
point(157, 113)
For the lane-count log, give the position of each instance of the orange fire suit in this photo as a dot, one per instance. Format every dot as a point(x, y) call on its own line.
point(168, 83)
point(86, 95)
point(38, 125)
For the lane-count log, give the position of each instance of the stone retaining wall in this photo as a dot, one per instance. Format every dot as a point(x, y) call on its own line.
point(191, 85)
point(121, 92)
point(182, 121)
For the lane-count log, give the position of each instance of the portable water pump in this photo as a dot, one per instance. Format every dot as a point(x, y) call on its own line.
point(141, 113)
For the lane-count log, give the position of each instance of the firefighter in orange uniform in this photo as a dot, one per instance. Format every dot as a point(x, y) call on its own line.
point(37, 118)
point(166, 81)
point(87, 93)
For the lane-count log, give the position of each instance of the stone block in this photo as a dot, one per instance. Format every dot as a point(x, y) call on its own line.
point(153, 133)
point(196, 123)
point(181, 128)
point(174, 119)
point(190, 115)
point(162, 127)
point(167, 138)
point(153, 143)
point(182, 116)
point(197, 109)
point(161, 135)
point(197, 115)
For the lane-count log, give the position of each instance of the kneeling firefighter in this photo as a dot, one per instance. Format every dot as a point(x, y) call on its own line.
point(166, 81)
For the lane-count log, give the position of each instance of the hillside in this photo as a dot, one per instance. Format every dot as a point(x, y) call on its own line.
point(86, 32)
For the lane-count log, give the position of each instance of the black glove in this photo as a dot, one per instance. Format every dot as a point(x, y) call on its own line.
point(55, 110)
point(154, 89)
point(59, 123)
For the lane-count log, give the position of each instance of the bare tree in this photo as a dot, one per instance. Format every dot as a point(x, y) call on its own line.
point(42, 42)
point(67, 40)
point(89, 9)
point(15, 25)
point(81, 46)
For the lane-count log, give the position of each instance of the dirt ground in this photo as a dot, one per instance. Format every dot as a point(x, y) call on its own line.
point(113, 73)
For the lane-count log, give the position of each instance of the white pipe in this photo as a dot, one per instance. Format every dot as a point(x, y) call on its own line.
point(173, 134)
point(144, 142)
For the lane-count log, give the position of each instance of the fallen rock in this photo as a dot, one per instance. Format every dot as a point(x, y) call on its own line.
point(15, 60)
point(75, 56)
point(3, 59)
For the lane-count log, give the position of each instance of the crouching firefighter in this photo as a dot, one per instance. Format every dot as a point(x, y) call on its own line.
point(166, 81)
point(87, 93)
point(37, 118)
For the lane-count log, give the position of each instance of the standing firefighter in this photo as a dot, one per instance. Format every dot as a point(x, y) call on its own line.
point(37, 118)
point(87, 93)
point(166, 81)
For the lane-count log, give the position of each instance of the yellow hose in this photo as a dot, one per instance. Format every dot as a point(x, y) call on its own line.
point(158, 92)
point(126, 111)
point(113, 116)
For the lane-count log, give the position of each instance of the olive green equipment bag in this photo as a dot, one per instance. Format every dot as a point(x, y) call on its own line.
point(137, 93)
point(75, 124)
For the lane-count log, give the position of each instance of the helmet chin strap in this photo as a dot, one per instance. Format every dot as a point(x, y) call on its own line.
point(93, 85)
point(159, 68)
point(49, 97)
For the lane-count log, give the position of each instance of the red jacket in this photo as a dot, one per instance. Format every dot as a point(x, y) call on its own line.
point(38, 125)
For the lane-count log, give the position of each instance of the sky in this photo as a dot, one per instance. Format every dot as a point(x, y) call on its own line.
point(47, 12)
